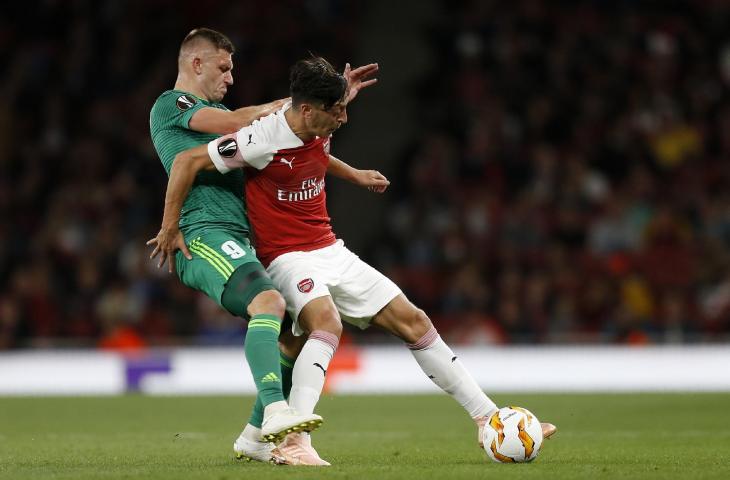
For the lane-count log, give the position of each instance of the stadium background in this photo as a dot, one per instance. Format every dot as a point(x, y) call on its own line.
point(559, 172)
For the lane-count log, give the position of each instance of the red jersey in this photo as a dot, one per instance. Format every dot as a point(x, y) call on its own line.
point(285, 189)
point(286, 202)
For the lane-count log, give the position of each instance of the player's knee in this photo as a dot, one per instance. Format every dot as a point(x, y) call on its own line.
point(414, 325)
point(291, 345)
point(268, 302)
point(330, 323)
point(328, 319)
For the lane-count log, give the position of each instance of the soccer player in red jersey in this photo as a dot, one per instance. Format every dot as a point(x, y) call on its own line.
point(288, 155)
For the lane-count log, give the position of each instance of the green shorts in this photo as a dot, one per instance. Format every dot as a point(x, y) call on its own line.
point(216, 255)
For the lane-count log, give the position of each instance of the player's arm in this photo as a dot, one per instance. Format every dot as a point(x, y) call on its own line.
point(221, 122)
point(372, 179)
point(223, 154)
point(182, 175)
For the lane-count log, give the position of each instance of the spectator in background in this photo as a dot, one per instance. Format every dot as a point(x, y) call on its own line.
point(585, 145)
point(76, 198)
point(595, 138)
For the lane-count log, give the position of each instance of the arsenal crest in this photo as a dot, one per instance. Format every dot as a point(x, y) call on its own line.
point(306, 285)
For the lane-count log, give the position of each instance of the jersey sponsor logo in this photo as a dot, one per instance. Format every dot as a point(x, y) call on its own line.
point(290, 163)
point(228, 148)
point(310, 188)
point(184, 102)
point(306, 285)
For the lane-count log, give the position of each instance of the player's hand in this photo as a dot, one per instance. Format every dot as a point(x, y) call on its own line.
point(359, 78)
point(166, 243)
point(373, 180)
point(277, 105)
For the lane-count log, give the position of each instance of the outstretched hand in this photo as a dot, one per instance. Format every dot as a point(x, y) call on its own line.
point(373, 180)
point(359, 78)
point(166, 243)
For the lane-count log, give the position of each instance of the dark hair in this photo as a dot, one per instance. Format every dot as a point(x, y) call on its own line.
point(315, 80)
point(218, 40)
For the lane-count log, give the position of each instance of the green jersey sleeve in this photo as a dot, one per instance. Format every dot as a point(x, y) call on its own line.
point(179, 108)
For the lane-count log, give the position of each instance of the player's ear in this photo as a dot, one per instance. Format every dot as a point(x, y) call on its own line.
point(197, 65)
point(305, 109)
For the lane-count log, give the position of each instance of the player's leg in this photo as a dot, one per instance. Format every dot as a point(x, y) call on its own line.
point(401, 318)
point(210, 271)
point(223, 262)
point(304, 283)
point(249, 444)
point(366, 296)
point(304, 278)
point(438, 361)
point(289, 348)
point(320, 319)
point(250, 293)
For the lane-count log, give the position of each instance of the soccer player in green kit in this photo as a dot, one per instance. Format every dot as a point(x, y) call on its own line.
point(215, 255)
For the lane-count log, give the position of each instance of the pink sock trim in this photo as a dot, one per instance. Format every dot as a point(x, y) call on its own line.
point(325, 337)
point(428, 339)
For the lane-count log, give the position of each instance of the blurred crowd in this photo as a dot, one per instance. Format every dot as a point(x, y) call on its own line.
point(81, 187)
point(569, 182)
point(571, 179)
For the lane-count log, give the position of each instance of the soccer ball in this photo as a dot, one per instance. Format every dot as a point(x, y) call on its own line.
point(512, 435)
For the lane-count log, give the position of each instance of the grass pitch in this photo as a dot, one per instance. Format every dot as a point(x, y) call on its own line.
point(648, 436)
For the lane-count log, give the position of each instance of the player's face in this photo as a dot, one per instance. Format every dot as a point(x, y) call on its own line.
point(216, 74)
point(323, 123)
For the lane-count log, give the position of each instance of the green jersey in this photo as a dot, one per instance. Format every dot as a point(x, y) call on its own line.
point(215, 200)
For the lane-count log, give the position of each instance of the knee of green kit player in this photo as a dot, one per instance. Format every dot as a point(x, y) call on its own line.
point(268, 302)
point(290, 344)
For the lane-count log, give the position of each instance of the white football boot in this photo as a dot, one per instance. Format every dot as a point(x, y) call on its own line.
point(297, 449)
point(286, 420)
point(249, 450)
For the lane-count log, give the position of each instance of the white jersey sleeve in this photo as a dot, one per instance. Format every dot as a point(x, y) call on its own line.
point(254, 145)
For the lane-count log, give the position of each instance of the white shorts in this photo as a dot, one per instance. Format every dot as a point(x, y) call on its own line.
point(357, 289)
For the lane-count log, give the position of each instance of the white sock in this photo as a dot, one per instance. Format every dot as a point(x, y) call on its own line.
point(274, 407)
point(440, 364)
point(251, 433)
point(310, 369)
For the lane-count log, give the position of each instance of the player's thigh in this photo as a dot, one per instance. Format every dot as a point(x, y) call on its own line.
point(301, 277)
point(362, 291)
point(217, 256)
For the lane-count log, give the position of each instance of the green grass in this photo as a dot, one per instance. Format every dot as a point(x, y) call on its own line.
point(600, 437)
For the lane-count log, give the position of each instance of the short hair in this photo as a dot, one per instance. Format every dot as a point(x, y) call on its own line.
point(217, 39)
point(316, 80)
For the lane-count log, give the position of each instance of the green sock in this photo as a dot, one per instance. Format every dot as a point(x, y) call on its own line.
point(262, 354)
point(287, 367)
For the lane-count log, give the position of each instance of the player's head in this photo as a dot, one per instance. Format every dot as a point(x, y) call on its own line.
point(318, 92)
point(205, 59)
